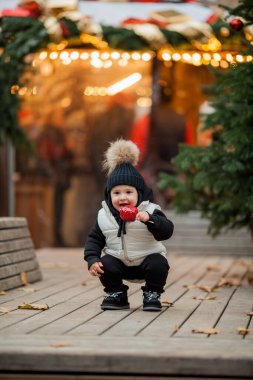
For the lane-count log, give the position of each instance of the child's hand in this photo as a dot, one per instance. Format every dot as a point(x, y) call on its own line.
point(95, 269)
point(142, 216)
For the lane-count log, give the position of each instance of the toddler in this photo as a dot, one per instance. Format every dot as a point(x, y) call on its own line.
point(116, 250)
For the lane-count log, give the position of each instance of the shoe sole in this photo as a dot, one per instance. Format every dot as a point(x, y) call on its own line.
point(115, 307)
point(151, 308)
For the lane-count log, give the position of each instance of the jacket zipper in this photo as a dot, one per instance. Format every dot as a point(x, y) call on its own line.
point(123, 244)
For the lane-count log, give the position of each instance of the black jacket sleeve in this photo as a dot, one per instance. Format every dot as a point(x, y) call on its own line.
point(162, 228)
point(94, 244)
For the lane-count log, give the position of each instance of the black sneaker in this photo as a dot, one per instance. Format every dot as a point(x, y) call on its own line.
point(115, 301)
point(151, 301)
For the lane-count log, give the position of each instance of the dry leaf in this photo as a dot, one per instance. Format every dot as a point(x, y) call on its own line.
point(250, 313)
point(2, 293)
point(205, 288)
point(5, 309)
point(208, 330)
point(250, 279)
point(167, 302)
point(83, 283)
point(28, 290)
point(190, 286)
point(23, 278)
point(213, 267)
point(177, 328)
point(62, 344)
point(207, 298)
point(242, 262)
point(229, 282)
point(34, 306)
point(243, 331)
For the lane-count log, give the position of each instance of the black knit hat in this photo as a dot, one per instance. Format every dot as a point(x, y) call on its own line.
point(125, 174)
point(121, 158)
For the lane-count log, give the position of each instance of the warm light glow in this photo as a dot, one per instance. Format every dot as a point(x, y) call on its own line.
point(115, 55)
point(43, 55)
point(74, 55)
point(176, 57)
point(186, 57)
point(166, 56)
point(124, 83)
point(64, 55)
point(105, 56)
point(84, 55)
point(53, 55)
point(239, 58)
point(146, 57)
point(136, 56)
point(144, 102)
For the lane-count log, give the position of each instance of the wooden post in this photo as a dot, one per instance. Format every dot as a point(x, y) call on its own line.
point(7, 165)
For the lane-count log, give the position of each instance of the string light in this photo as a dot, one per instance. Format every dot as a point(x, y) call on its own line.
point(222, 59)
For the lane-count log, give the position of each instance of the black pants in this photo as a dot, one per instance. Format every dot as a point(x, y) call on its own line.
point(153, 270)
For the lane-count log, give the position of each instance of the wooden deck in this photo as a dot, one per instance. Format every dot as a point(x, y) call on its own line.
point(75, 339)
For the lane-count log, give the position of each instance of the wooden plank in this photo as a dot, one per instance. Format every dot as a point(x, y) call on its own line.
point(95, 377)
point(14, 233)
point(62, 304)
point(207, 313)
point(129, 356)
point(51, 296)
point(15, 245)
point(184, 305)
point(15, 281)
point(17, 268)
point(12, 222)
point(16, 257)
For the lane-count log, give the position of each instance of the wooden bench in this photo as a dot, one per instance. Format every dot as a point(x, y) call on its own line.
point(18, 263)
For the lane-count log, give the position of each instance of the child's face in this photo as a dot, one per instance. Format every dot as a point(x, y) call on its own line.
point(124, 195)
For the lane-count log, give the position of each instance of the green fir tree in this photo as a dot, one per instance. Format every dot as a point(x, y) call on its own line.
point(218, 179)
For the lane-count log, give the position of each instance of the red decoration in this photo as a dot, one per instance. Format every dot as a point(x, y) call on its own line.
point(65, 30)
point(236, 24)
point(138, 21)
point(128, 213)
point(17, 12)
point(33, 8)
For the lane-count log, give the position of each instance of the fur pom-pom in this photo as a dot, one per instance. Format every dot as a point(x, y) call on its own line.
point(120, 152)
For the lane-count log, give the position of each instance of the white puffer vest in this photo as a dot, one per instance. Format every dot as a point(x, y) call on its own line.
point(136, 244)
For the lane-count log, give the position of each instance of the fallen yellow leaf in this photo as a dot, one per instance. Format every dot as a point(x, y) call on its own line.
point(6, 309)
point(2, 293)
point(250, 279)
point(207, 298)
point(250, 313)
point(177, 328)
point(62, 344)
point(208, 330)
point(229, 282)
point(243, 331)
point(23, 278)
point(205, 288)
point(28, 290)
point(167, 302)
point(190, 286)
point(213, 267)
point(34, 306)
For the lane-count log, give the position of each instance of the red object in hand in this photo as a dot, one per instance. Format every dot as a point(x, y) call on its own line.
point(236, 24)
point(128, 213)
